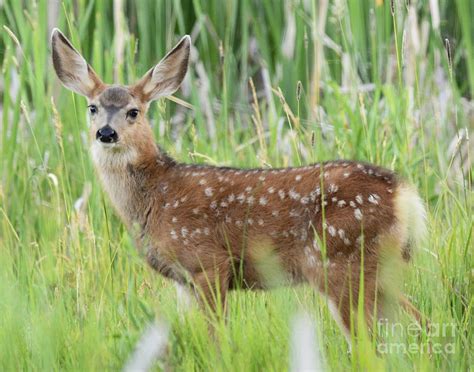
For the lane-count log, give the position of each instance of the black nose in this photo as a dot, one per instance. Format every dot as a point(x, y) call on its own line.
point(107, 135)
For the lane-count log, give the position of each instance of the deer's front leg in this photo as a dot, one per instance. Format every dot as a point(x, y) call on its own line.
point(211, 286)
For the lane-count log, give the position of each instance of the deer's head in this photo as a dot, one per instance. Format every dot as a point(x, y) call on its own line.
point(117, 112)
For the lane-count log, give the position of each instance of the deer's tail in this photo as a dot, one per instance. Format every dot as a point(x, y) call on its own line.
point(411, 214)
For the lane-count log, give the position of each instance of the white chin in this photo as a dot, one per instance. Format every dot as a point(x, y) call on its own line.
point(112, 154)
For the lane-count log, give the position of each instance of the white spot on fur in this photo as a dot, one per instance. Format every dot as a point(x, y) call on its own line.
point(241, 198)
point(173, 234)
point(332, 230)
point(358, 214)
point(275, 213)
point(294, 195)
point(250, 200)
point(341, 203)
point(248, 189)
point(298, 177)
point(195, 210)
point(202, 181)
point(359, 199)
point(313, 194)
point(346, 174)
point(260, 222)
point(352, 204)
point(231, 198)
point(174, 219)
point(304, 200)
point(271, 190)
point(281, 194)
point(184, 232)
point(373, 198)
point(341, 233)
point(263, 200)
point(209, 191)
point(332, 188)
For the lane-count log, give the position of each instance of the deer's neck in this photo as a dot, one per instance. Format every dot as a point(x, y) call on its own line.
point(132, 181)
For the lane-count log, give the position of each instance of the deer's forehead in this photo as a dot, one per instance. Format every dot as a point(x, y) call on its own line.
point(115, 97)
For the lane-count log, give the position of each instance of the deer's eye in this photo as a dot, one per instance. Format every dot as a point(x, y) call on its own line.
point(93, 109)
point(132, 114)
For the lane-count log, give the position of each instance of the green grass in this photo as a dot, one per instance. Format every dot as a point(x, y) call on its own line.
point(75, 294)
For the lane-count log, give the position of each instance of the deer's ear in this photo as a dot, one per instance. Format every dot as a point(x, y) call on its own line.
point(165, 78)
point(71, 68)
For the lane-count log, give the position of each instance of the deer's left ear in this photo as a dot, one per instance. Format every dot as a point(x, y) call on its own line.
point(165, 78)
point(71, 68)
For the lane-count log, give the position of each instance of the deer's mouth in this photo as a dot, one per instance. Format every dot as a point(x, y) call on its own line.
point(108, 145)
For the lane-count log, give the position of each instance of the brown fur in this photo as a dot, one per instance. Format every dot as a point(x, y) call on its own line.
point(216, 228)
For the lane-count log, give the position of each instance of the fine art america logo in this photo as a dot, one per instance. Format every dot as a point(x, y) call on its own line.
point(400, 338)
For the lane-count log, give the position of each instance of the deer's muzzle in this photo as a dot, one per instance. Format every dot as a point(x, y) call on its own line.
point(106, 135)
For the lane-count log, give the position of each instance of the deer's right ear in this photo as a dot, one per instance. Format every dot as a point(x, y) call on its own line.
point(71, 68)
point(166, 77)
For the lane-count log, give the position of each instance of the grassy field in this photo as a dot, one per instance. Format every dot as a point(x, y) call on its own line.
point(271, 83)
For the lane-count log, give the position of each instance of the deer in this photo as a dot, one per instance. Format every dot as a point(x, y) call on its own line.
point(343, 226)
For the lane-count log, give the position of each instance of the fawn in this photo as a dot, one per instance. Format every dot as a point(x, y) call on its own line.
point(217, 228)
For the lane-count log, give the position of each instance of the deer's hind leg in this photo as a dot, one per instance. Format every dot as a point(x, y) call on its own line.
point(346, 284)
point(354, 293)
